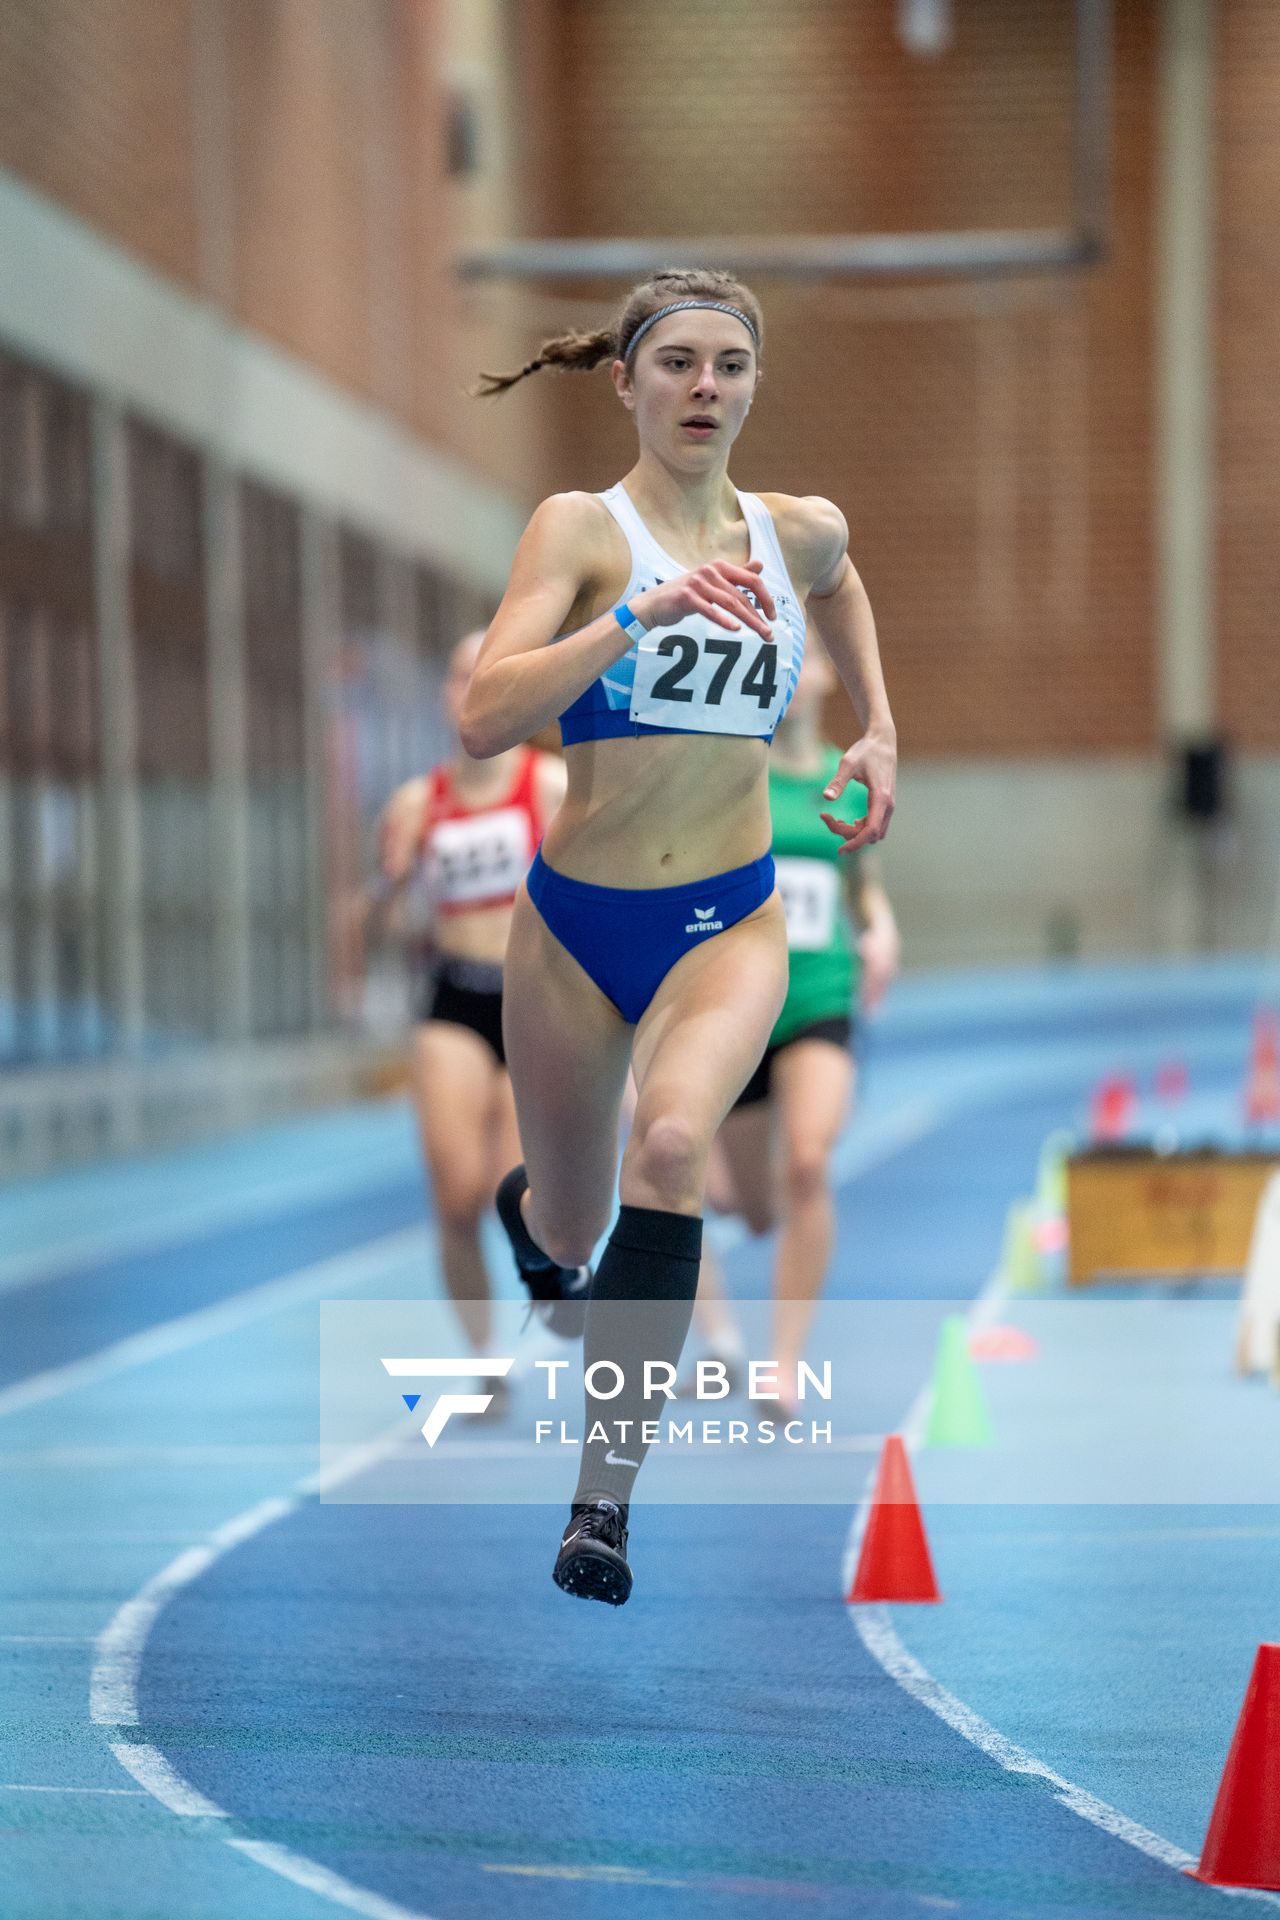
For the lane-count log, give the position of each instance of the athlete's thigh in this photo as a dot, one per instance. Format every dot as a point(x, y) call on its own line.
point(703, 1033)
point(746, 1140)
point(813, 1088)
point(453, 1074)
point(567, 1049)
point(504, 1132)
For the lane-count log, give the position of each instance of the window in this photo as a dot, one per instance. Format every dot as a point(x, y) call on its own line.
point(52, 1003)
point(171, 677)
point(279, 923)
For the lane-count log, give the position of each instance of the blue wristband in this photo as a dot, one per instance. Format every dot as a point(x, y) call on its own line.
point(632, 627)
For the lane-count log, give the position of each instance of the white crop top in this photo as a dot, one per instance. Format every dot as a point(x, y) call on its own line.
point(695, 676)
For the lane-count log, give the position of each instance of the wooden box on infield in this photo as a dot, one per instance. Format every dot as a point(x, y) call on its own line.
point(1134, 1213)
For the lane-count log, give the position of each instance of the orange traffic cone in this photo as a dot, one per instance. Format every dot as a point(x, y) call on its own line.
point(894, 1563)
point(1262, 1089)
point(1242, 1846)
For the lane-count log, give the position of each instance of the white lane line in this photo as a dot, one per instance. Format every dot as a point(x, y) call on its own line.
point(126, 1239)
point(46, 1640)
point(124, 1793)
point(112, 1459)
point(351, 1269)
point(878, 1635)
point(861, 1150)
point(857, 1155)
point(541, 1450)
point(164, 1783)
point(113, 1684)
point(113, 1699)
point(317, 1879)
point(882, 1643)
point(607, 1876)
point(113, 1690)
point(1128, 1536)
point(85, 1537)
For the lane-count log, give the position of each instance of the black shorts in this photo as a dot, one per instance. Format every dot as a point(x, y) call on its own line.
point(838, 1030)
point(467, 993)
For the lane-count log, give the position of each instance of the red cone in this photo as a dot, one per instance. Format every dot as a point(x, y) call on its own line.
point(1242, 1846)
point(1172, 1081)
point(1262, 1089)
point(1002, 1343)
point(894, 1563)
point(1112, 1107)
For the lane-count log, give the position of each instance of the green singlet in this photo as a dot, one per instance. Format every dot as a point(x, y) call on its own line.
point(825, 967)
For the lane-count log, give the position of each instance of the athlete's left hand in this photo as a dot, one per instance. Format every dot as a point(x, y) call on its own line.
point(874, 761)
point(879, 950)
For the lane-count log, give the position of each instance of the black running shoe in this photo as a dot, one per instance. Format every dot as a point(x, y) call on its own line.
point(558, 1295)
point(592, 1561)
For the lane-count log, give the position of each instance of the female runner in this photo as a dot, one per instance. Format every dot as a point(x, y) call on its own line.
point(772, 1163)
point(649, 929)
point(469, 828)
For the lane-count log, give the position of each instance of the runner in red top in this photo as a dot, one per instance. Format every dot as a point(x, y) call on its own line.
point(476, 854)
point(469, 830)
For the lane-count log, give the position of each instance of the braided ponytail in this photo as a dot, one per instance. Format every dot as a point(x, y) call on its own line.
point(579, 352)
point(567, 352)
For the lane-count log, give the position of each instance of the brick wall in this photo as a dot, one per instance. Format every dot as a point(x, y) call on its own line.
point(992, 445)
point(288, 160)
point(1248, 398)
point(95, 110)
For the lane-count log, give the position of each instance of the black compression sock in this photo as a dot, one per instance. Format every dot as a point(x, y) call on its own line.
point(640, 1308)
point(511, 1190)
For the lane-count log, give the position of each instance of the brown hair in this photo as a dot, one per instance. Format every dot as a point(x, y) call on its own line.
point(579, 352)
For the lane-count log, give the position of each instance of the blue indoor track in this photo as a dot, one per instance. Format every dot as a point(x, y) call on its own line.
point(226, 1697)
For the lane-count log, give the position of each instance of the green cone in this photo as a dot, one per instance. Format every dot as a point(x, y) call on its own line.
point(1051, 1175)
point(958, 1416)
point(1020, 1264)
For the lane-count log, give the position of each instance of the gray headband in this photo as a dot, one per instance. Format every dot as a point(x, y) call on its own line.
point(680, 306)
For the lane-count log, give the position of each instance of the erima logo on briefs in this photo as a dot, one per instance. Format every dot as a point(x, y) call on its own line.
point(703, 923)
point(434, 1424)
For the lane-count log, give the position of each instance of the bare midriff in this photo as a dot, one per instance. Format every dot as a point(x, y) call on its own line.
point(479, 934)
point(658, 809)
point(662, 810)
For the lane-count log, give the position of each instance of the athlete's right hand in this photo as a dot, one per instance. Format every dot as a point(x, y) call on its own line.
point(717, 589)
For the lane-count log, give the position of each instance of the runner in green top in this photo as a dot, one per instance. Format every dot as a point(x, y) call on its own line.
point(773, 1151)
point(816, 886)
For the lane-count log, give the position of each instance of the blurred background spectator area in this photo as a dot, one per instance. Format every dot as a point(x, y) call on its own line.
point(246, 505)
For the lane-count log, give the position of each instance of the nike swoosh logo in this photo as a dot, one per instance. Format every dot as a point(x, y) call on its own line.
point(613, 1459)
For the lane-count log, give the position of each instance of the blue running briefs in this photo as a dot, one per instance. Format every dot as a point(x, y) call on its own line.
point(628, 939)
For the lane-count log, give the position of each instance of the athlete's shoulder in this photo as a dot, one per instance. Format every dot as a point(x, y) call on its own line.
point(571, 533)
point(412, 794)
point(813, 534)
point(570, 516)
